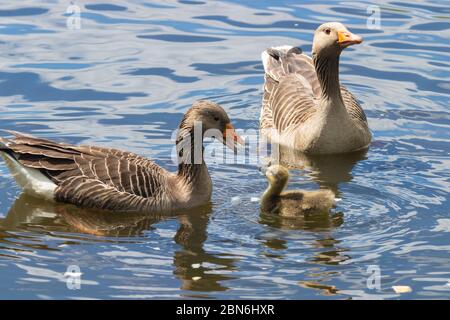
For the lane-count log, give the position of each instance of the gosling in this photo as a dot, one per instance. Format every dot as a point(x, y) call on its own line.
point(292, 203)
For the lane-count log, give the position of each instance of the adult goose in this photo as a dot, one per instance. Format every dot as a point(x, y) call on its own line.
point(304, 105)
point(110, 179)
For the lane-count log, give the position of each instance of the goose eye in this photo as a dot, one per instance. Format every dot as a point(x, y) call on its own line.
point(216, 118)
point(327, 31)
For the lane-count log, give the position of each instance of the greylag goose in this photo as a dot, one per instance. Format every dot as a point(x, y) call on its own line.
point(292, 203)
point(109, 179)
point(304, 105)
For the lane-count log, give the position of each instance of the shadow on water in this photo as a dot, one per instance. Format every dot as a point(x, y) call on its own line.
point(190, 261)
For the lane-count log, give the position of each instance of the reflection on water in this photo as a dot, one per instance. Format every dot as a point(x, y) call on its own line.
point(124, 80)
point(190, 261)
point(317, 221)
point(328, 171)
point(28, 212)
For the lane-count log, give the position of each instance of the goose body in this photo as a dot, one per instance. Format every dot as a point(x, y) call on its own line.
point(292, 203)
point(110, 179)
point(304, 105)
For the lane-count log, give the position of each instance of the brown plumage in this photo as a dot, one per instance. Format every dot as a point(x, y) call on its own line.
point(304, 105)
point(115, 180)
point(294, 202)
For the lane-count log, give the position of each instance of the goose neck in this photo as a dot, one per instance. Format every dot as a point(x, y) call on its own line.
point(273, 190)
point(191, 164)
point(327, 69)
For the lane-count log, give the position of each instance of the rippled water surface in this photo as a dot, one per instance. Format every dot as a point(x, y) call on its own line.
point(124, 80)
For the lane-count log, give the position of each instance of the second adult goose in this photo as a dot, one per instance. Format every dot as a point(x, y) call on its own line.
point(110, 179)
point(304, 105)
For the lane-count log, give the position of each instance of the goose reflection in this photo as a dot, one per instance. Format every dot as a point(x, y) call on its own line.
point(328, 251)
point(317, 221)
point(30, 213)
point(327, 170)
point(197, 269)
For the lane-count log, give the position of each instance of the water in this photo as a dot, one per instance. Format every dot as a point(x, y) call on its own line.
point(124, 80)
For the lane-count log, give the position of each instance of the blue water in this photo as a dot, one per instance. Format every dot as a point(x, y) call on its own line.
point(125, 78)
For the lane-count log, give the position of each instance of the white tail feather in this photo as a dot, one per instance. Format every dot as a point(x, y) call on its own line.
point(265, 57)
point(30, 180)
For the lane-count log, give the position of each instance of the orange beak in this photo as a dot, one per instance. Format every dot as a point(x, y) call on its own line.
point(230, 137)
point(346, 38)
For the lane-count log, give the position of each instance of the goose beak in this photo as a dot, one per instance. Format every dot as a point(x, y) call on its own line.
point(230, 137)
point(346, 38)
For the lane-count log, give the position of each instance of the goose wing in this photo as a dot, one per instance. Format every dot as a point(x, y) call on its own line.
point(354, 109)
point(92, 177)
point(291, 88)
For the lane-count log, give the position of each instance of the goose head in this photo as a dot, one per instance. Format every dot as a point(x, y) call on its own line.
point(210, 120)
point(331, 38)
point(277, 176)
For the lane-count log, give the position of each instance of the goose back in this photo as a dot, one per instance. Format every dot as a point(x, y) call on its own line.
point(94, 177)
